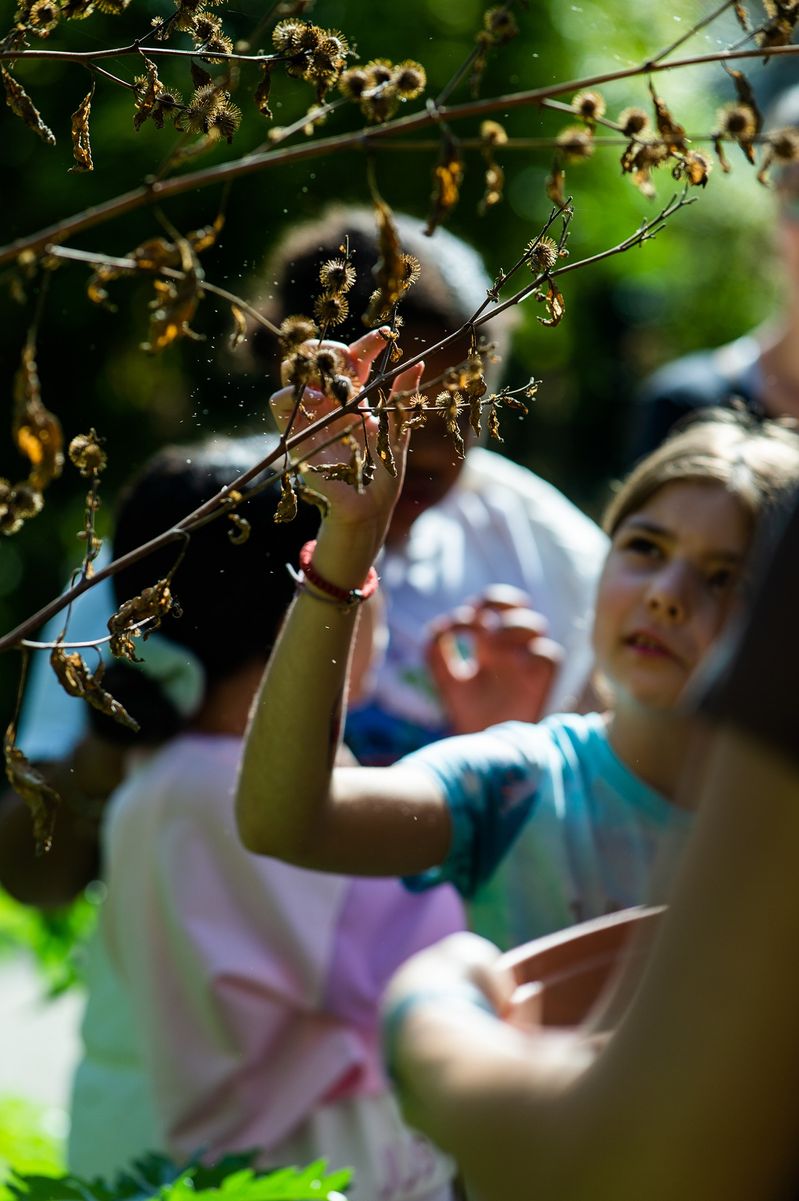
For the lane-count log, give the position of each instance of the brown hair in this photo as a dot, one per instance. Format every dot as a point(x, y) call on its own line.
point(757, 461)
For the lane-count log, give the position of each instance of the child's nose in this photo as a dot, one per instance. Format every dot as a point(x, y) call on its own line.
point(667, 596)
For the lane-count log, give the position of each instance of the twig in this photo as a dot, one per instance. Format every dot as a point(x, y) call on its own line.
point(357, 140)
point(107, 260)
point(214, 506)
point(689, 33)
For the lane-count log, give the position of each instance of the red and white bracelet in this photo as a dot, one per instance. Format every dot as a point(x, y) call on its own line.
point(324, 590)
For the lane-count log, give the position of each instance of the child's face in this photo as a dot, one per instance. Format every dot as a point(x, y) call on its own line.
point(666, 590)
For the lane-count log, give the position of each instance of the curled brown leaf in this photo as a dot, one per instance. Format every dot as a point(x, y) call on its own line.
point(75, 677)
point(23, 107)
point(30, 784)
point(36, 431)
point(81, 143)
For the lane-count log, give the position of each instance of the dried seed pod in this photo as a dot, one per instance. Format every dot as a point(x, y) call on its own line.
point(295, 330)
point(590, 105)
point(542, 254)
point(633, 121)
point(337, 275)
point(86, 453)
point(331, 309)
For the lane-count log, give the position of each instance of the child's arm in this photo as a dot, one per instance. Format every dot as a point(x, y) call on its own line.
point(290, 803)
point(691, 1096)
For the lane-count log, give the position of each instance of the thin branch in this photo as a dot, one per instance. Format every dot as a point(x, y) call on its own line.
point(91, 56)
point(689, 33)
point(215, 505)
point(107, 260)
point(358, 140)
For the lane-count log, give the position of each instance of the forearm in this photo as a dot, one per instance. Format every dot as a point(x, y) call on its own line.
point(690, 1096)
point(296, 720)
point(501, 1109)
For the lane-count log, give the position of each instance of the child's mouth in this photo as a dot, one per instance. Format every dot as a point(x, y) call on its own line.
point(649, 646)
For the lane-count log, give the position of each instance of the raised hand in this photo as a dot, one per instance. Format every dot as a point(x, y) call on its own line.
point(321, 378)
point(510, 665)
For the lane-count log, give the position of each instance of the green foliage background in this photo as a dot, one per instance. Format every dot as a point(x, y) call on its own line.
point(706, 278)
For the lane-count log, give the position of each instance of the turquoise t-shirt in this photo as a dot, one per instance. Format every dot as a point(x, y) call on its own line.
point(549, 827)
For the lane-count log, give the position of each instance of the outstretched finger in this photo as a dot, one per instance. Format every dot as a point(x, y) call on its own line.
point(408, 380)
point(363, 352)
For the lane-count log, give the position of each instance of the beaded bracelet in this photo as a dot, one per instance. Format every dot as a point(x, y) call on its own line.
point(345, 598)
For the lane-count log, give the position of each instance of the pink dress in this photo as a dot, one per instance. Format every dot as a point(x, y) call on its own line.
point(251, 989)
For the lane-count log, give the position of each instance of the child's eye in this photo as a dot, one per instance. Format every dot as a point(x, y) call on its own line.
point(721, 580)
point(639, 544)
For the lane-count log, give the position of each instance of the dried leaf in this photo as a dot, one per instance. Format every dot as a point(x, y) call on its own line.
point(149, 86)
point(554, 184)
point(475, 413)
point(287, 506)
point(203, 239)
point(27, 782)
point(671, 132)
point(358, 473)
point(367, 468)
point(262, 92)
point(724, 162)
point(175, 303)
point(77, 680)
point(150, 606)
point(23, 107)
point(555, 303)
point(384, 452)
point(36, 431)
point(242, 529)
point(312, 497)
point(389, 269)
point(493, 424)
point(81, 144)
point(451, 405)
point(414, 413)
point(447, 178)
point(239, 333)
point(347, 473)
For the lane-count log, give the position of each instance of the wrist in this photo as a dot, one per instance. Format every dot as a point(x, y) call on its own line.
point(325, 589)
point(398, 1011)
point(345, 553)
